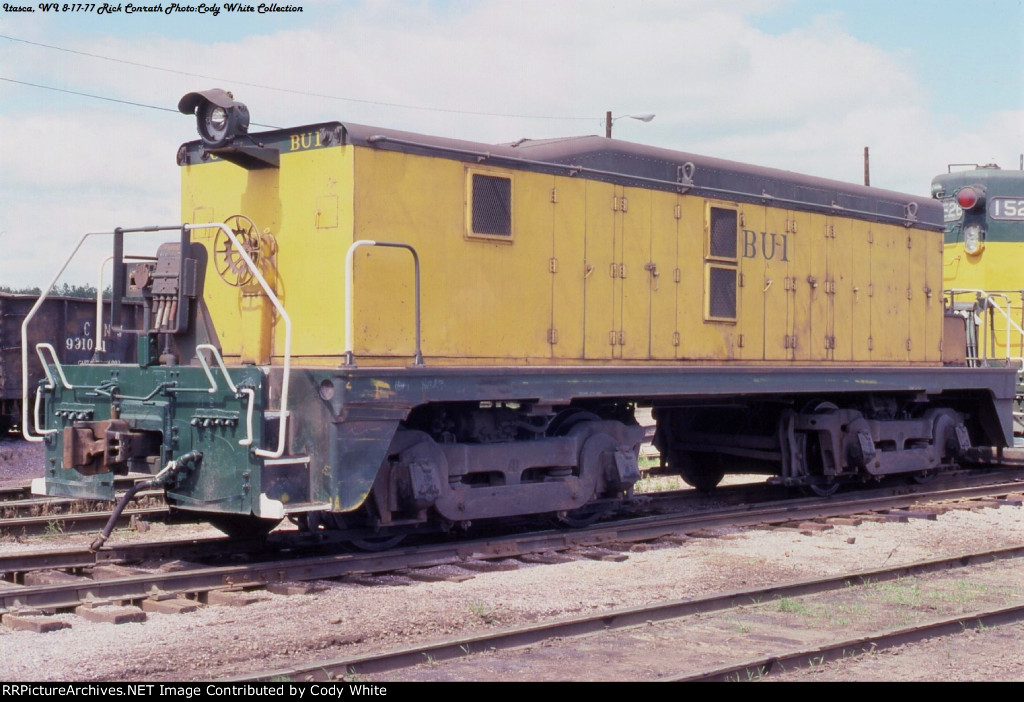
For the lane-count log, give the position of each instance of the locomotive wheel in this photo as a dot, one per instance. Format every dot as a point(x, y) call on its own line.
point(704, 477)
point(313, 522)
point(825, 489)
point(925, 477)
point(317, 521)
point(378, 543)
point(368, 519)
point(243, 526)
point(824, 486)
point(565, 420)
point(582, 517)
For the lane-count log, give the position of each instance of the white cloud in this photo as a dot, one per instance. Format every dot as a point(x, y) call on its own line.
point(809, 99)
point(72, 173)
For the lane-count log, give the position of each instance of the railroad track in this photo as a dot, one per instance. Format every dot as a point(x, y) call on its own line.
point(870, 644)
point(610, 634)
point(22, 514)
point(14, 491)
point(72, 586)
point(75, 522)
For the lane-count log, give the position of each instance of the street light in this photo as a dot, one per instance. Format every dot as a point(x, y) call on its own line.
point(609, 120)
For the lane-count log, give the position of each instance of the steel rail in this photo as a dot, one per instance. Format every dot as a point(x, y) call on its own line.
point(12, 490)
point(837, 650)
point(337, 565)
point(78, 559)
point(464, 647)
point(74, 522)
point(200, 580)
point(23, 504)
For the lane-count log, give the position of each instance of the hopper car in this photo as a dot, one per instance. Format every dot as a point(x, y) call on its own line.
point(68, 324)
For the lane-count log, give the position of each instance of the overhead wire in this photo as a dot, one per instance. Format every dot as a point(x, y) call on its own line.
point(88, 95)
point(108, 99)
point(292, 91)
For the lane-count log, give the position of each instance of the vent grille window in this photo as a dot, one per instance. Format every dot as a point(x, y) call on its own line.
point(491, 203)
point(721, 264)
point(721, 293)
point(722, 242)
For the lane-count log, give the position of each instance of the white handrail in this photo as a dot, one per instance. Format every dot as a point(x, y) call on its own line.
point(35, 416)
point(99, 347)
point(51, 383)
point(349, 311)
point(247, 441)
point(282, 433)
point(24, 341)
point(990, 301)
point(349, 255)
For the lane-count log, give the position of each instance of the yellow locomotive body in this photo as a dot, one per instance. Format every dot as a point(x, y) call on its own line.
point(382, 330)
point(575, 269)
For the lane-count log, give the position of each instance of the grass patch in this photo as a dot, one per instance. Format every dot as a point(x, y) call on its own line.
point(54, 527)
point(482, 612)
point(901, 592)
point(658, 483)
point(792, 606)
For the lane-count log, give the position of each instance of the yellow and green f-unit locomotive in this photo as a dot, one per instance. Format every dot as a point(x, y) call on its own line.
point(382, 330)
point(983, 208)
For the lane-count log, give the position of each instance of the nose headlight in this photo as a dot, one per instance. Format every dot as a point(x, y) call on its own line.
point(212, 122)
point(219, 119)
point(974, 239)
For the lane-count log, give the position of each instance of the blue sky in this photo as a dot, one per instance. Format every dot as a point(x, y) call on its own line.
point(797, 84)
point(964, 52)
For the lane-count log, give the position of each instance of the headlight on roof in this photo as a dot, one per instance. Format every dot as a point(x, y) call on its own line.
point(219, 119)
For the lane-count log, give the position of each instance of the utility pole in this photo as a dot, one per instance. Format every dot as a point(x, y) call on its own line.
point(867, 168)
point(609, 120)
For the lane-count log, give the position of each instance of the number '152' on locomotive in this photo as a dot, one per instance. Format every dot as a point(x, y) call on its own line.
point(382, 329)
point(983, 208)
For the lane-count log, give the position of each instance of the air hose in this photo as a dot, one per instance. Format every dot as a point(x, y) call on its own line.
point(185, 462)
